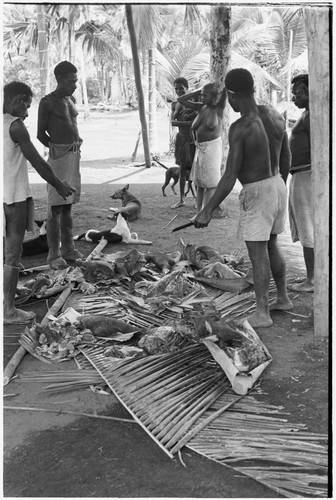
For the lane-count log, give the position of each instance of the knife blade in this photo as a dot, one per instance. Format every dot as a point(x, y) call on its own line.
point(188, 224)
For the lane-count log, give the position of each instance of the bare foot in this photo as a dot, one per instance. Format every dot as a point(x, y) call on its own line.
point(178, 204)
point(57, 263)
point(72, 255)
point(305, 286)
point(258, 320)
point(17, 317)
point(281, 305)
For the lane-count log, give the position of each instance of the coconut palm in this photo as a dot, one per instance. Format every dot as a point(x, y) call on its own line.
point(137, 74)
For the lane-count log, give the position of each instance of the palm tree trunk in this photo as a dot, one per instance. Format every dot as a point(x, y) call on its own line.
point(43, 48)
point(137, 76)
point(220, 58)
point(84, 89)
point(318, 37)
point(71, 37)
point(153, 136)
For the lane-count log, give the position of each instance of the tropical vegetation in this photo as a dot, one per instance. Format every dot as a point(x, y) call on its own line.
point(172, 40)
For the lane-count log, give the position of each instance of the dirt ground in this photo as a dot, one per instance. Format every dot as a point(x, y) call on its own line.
point(58, 455)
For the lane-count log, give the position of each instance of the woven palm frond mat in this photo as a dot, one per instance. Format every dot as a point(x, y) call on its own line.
point(185, 399)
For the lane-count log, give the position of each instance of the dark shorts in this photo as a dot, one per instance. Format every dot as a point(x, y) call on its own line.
point(184, 152)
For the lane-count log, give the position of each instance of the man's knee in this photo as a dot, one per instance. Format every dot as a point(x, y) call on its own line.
point(13, 253)
point(256, 249)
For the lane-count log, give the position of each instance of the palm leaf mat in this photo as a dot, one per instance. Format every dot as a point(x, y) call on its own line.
point(175, 398)
point(184, 399)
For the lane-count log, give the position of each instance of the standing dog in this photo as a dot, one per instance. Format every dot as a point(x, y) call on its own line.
point(174, 173)
point(130, 206)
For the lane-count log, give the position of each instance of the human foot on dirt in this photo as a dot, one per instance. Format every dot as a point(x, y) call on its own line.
point(259, 320)
point(57, 263)
point(178, 204)
point(305, 286)
point(72, 255)
point(18, 317)
point(281, 305)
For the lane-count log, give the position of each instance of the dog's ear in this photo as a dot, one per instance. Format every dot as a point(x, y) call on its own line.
point(126, 188)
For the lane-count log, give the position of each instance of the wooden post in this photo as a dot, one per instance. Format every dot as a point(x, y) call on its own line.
point(317, 22)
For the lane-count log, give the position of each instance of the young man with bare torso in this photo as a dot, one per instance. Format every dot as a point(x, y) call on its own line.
point(259, 158)
point(57, 130)
point(182, 118)
point(301, 210)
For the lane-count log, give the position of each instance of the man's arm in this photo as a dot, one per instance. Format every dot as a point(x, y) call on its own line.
point(178, 123)
point(42, 123)
point(20, 135)
point(222, 99)
point(228, 180)
point(285, 158)
point(187, 100)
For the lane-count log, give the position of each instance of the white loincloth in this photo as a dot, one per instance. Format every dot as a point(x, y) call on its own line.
point(206, 169)
point(300, 208)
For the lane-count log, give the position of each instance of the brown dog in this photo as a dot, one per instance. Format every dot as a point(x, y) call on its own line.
point(174, 173)
point(130, 206)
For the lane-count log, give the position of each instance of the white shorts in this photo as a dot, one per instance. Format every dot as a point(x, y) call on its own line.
point(262, 209)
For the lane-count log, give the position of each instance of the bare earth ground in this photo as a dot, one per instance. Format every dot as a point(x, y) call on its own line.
point(57, 455)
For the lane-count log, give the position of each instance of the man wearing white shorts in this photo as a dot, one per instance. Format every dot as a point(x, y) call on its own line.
point(259, 158)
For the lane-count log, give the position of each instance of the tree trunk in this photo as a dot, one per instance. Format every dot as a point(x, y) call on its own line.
point(153, 136)
point(137, 76)
point(220, 59)
point(317, 22)
point(71, 36)
point(84, 89)
point(43, 48)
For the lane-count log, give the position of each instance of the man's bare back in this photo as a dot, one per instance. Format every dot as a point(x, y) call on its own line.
point(248, 135)
point(274, 125)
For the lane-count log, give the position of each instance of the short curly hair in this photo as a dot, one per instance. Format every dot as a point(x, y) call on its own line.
point(182, 80)
point(240, 81)
point(16, 88)
point(64, 68)
point(302, 78)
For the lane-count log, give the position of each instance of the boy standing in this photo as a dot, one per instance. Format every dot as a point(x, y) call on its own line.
point(57, 130)
point(17, 199)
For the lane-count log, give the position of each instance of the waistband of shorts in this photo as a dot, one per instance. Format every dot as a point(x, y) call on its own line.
point(261, 180)
point(70, 148)
point(300, 168)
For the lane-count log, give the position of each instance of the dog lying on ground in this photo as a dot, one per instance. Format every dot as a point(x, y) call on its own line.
point(36, 245)
point(174, 173)
point(118, 234)
point(130, 206)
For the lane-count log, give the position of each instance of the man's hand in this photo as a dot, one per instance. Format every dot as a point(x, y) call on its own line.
point(65, 189)
point(202, 219)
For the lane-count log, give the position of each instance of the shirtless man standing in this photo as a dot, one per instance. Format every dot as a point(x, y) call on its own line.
point(207, 129)
point(259, 158)
point(184, 144)
point(301, 210)
point(57, 130)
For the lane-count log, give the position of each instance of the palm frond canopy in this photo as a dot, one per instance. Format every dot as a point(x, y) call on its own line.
point(99, 38)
